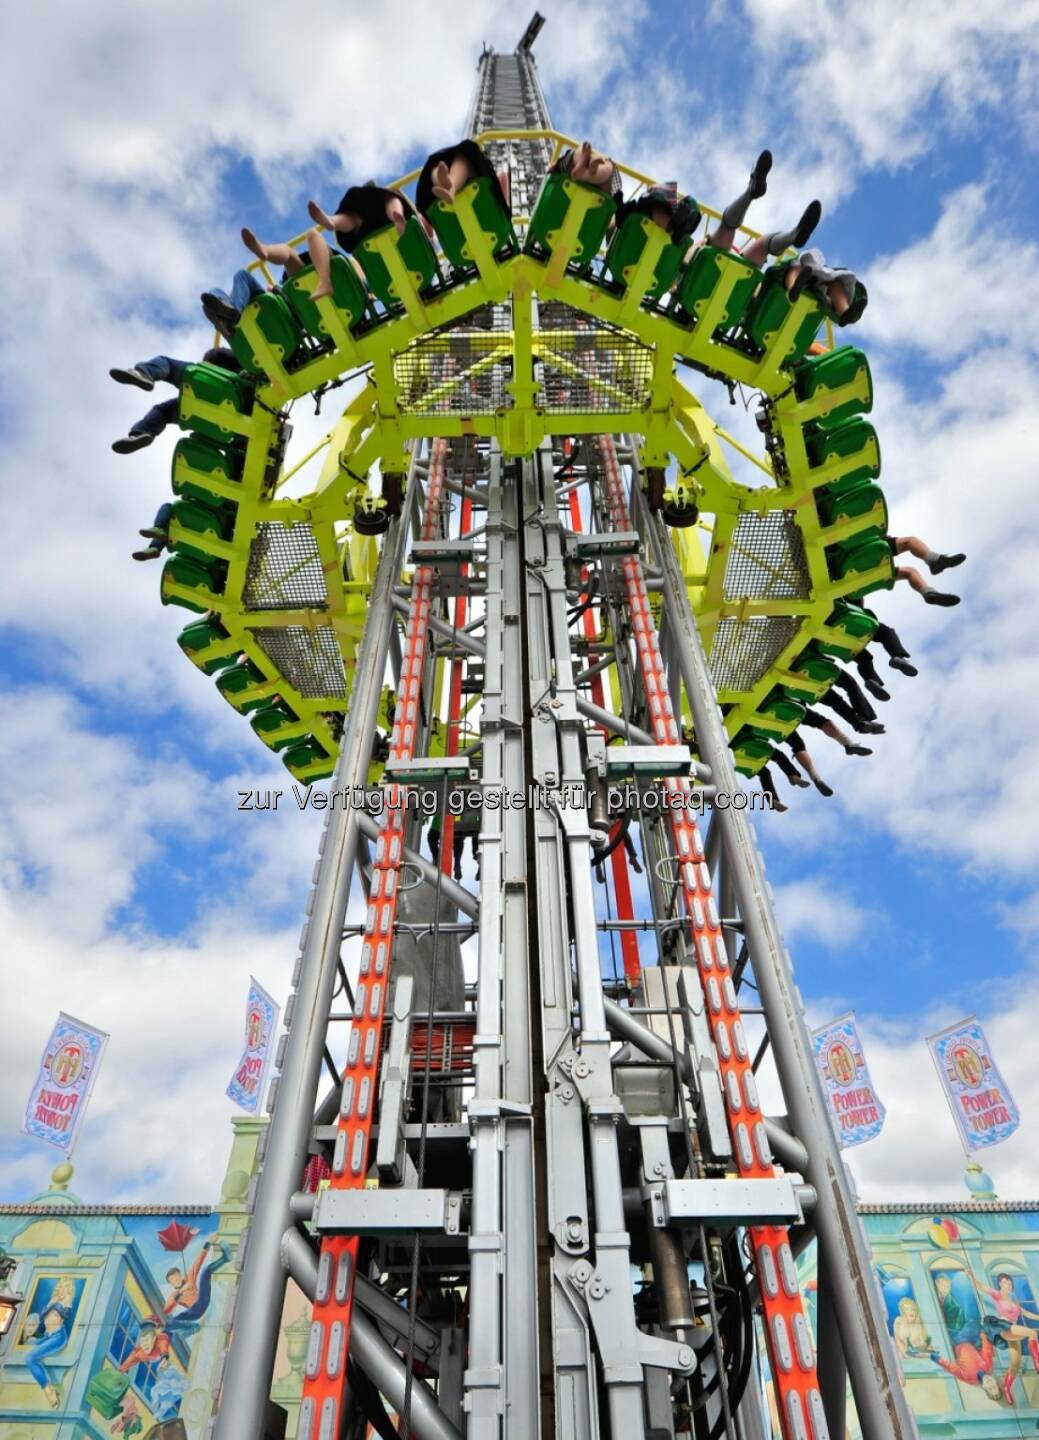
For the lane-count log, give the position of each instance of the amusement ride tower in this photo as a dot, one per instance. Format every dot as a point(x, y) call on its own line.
point(517, 1159)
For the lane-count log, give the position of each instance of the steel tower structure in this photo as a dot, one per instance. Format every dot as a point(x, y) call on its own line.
point(554, 1205)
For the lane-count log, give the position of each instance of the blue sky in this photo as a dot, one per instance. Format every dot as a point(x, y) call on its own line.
point(132, 892)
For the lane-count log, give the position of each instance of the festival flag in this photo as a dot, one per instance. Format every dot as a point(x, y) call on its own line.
point(856, 1110)
point(979, 1098)
point(249, 1080)
point(66, 1077)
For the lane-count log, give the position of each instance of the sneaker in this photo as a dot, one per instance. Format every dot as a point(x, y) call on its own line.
point(151, 553)
point(130, 375)
point(870, 727)
point(221, 314)
point(857, 750)
point(938, 597)
point(823, 788)
point(153, 534)
point(899, 662)
point(946, 562)
point(876, 689)
point(130, 443)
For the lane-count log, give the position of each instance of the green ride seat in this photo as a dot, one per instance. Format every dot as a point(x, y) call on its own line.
point(844, 369)
point(193, 575)
point(557, 194)
point(235, 682)
point(272, 721)
point(211, 385)
point(625, 251)
point(493, 221)
point(708, 269)
point(194, 456)
point(201, 635)
point(811, 665)
point(854, 437)
point(858, 625)
point(308, 760)
point(415, 250)
point(782, 707)
point(861, 554)
point(273, 317)
point(768, 311)
point(845, 502)
point(348, 295)
point(200, 519)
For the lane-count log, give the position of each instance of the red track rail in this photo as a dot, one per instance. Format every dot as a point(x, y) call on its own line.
point(324, 1380)
point(787, 1335)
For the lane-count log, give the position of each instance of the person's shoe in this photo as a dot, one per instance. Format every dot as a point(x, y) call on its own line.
point(871, 727)
point(130, 375)
point(899, 662)
point(154, 533)
point(635, 865)
point(759, 175)
point(823, 788)
point(876, 689)
point(458, 872)
point(938, 597)
point(807, 223)
point(1008, 1388)
point(943, 562)
point(857, 750)
point(221, 314)
point(130, 443)
point(151, 553)
point(778, 806)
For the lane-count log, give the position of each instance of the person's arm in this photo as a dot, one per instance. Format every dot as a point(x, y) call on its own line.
point(1029, 1314)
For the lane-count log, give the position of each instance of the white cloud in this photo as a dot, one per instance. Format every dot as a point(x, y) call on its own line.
point(814, 910)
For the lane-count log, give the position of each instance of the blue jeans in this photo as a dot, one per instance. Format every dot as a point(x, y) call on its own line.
point(161, 367)
point(244, 287)
point(157, 418)
point(49, 1345)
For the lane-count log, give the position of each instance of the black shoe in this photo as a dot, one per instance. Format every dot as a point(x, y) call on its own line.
point(899, 662)
point(759, 175)
point(221, 314)
point(807, 223)
point(153, 533)
point(876, 689)
point(130, 375)
point(823, 788)
point(857, 750)
point(130, 443)
point(870, 727)
point(944, 562)
point(152, 553)
point(937, 597)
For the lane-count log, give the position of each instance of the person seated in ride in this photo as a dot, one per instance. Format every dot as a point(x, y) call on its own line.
point(144, 374)
point(839, 289)
point(362, 211)
point(856, 711)
point(769, 787)
point(819, 722)
point(799, 750)
point(898, 658)
point(912, 545)
point(317, 253)
point(449, 170)
point(589, 167)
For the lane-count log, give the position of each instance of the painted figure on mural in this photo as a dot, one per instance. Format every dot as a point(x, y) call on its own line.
point(909, 1331)
point(128, 1422)
point(1005, 1330)
point(46, 1331)
point(152, 1344)
point(190, 1289)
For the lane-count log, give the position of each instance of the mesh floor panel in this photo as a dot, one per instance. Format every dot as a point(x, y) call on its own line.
point(284, 571)
point(766, 559)
point(309, 659)
point(744, 649)
point(460, 370)
point(588, 366)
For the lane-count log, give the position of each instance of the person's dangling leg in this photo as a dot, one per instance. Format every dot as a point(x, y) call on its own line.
point(916, 547)
point(396, 214)
point(321, 259)
point(449, 179)
point(789, 769)
point(863, 663)
point(846, 743)
point(458, 850)
point(769, 787)
point(144, 373)
point(801, 755)
point(142, 432)
point(758, 251)
point(278, 254)
point(861, 706)
point(158, 534)
point(735, 212)
point(931, 596)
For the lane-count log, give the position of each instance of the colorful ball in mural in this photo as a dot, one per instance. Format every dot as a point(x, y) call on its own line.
point(943, 1233)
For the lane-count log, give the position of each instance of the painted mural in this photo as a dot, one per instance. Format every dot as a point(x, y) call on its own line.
point(119, 1327)
point(960, 1288)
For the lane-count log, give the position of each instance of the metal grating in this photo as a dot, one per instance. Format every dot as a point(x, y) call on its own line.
point(462, 369)
point(309, 659)
point(588, 366)
point(284, 571)
point(744, 649)
point(766, 559)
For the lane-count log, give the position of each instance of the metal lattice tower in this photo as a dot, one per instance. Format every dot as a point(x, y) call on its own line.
point(553, 1205)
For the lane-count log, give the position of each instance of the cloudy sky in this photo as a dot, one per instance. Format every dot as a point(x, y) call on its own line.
point(139, 139)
